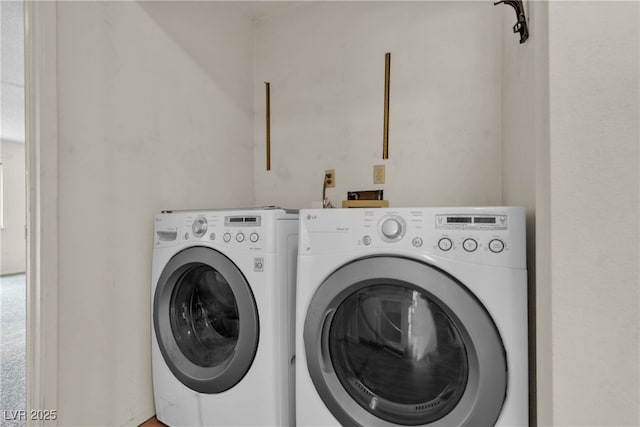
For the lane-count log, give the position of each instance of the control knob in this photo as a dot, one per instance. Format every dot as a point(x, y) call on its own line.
point(496, 246)
point(445, 244)
point(391, 228)
point(199, 226)
point(470, 245)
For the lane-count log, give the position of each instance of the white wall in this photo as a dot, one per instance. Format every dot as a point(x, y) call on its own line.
point(325, 63)
point(524, 121)
point(518, 113)
point(12, 238)
point(594, 56)
point(155, 112)
point(570, 129)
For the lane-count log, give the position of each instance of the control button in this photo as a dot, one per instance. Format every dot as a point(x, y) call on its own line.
point(470, 245)
point(254, 237)
point(212, 236)
point(186, 236)
point(496, 246)
point(391, 228)
point(417, 242)
point(240, 237)
point(445, 244)
point(366, 240)
point(199, 226)
point(227, 237)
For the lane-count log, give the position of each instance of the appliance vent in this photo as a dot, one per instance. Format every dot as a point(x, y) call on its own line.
point(428, 406)
point(363, 389)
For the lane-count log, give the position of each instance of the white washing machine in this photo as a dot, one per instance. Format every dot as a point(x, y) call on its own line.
point(223, 296)
point(412, 316)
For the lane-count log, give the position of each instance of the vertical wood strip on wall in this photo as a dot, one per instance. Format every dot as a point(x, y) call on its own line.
point(385, 136)
point(268, 123)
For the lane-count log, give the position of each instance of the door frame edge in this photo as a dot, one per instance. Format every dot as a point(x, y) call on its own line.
point(41, 122)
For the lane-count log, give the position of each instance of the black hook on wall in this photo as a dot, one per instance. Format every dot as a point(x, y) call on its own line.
point(521, 26)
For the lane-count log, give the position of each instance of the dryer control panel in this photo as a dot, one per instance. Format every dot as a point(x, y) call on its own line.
point(489, 235)
point(471, 222)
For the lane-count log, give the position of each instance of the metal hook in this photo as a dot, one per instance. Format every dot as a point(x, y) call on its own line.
point(520, 26)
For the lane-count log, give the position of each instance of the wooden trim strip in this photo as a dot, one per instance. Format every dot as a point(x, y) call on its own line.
point(268, 124)
point(385, 136)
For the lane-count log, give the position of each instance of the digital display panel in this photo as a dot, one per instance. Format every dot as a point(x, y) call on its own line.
point(484, 220)
point(243, 221)
point(458, 220)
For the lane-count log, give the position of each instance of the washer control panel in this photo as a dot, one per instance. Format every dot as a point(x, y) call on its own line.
point(251, 230)
point(230, 230)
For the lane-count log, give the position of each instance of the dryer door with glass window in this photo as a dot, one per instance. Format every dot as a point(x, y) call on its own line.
point(206, 320)
point(394, 341)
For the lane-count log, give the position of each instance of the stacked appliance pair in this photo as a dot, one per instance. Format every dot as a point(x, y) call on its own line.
point(404, 317)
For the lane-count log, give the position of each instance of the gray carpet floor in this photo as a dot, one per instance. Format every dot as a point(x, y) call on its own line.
point(12, 349)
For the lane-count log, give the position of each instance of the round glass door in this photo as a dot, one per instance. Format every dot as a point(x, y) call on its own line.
point(395, 350)
point(392, 341)
point(204, 316)
point(206, 320)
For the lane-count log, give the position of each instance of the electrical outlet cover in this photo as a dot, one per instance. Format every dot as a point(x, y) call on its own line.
point(378, 174)
point(330, 178)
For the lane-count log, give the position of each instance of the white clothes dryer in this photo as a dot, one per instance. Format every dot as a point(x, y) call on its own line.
point(412, 316)
point(222, 302)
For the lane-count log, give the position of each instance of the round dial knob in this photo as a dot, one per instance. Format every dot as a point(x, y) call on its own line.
point(199, 226)
point(240, 237)
point(254, 237)
point(496, 246)
point(445, 244)
point(391, 228)
point(226, 237)
point(470, 245)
